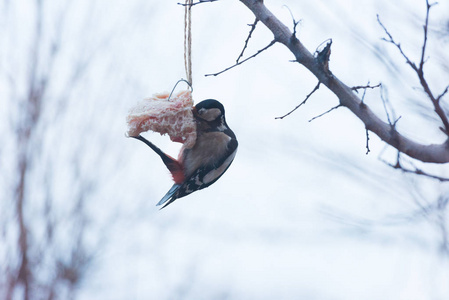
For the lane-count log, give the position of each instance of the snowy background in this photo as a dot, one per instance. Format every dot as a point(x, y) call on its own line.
point(302, 213)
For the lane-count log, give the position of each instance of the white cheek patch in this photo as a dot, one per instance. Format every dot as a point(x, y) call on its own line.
point(221, 128)
point(211, 114)
point(214, 174)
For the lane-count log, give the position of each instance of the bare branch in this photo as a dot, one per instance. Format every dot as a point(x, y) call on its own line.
point(241, 62)
point(416, 171)
point(435, 153)
point(253, 27)
point(443, 93)
point(295, 23)
point(303, 102)
point(195, 3)
point(34, 234)
point(364, 87)
point(325, 113)
point(367, 142)
point(420, 71)
point(425, 28)
point(384, 102)
point(363, 97)
point(355, 88)
point(392, 41)
point(438, 109)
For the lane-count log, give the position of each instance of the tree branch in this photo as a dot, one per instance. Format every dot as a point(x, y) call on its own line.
point(392, 41)
point(246, 59)
point(295, 23)
point(253, 27)
point(435, 153)
point(367, 142)
point(303, 102)
point(195, 3)
point(325, 113)
point(443, 93)
point(420, 70)
point(365, 87)
point(416, 171)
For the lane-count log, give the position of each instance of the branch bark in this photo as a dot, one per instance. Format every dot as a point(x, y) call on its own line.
point(433, 153)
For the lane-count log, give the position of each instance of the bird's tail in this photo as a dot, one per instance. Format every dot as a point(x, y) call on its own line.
point(175, 168)
point(170, 196)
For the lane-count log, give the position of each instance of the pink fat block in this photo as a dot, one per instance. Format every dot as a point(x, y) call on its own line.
point(173, 117)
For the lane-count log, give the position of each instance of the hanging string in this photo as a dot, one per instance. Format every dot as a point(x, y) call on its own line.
point(188, 40)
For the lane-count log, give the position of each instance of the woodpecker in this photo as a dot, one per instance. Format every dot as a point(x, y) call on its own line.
point(213, 152)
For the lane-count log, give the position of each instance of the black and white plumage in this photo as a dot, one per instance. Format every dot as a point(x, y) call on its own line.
point(210, 157)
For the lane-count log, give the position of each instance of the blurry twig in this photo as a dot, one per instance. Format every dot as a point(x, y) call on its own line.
point(415, 170)
point(419, 69)
point(386, 103)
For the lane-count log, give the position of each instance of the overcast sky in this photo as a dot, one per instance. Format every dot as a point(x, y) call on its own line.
point(303, 212)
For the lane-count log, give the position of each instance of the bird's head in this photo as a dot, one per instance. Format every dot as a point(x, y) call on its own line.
point(210, 115)
point(209, 110)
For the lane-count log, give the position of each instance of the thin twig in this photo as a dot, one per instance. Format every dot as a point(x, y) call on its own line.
point(326, 112)
point(425, 28)
point(303, 102)
point(386, 110)
point(295, 23)
point(392, 41)
point(385, 102)
point(241, 62)
point(396, 121)
point(253, 27)
point(367, 141)
point(443, 93)
point(199, 2)
point(363, 96)
point(355, 88)
point(364, 87)
point(420, 70)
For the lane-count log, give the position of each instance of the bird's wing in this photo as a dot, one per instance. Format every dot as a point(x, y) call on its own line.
point(203, 176)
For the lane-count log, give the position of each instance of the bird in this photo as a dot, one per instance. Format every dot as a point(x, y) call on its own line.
point(202, 165)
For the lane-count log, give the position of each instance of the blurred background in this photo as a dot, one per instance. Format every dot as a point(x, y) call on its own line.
point(302, 213)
